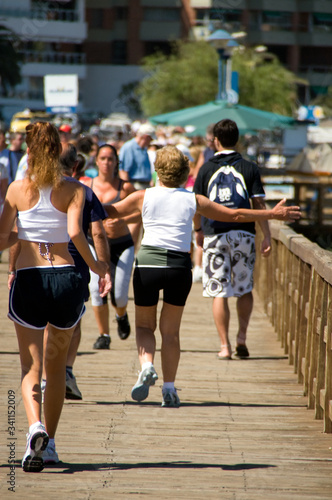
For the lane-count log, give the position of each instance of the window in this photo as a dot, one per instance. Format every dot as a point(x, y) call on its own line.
point(119, 52)
point(96, 18)
point(322, 22)
point(153, 47)
point(275, 20)
point(121, 13)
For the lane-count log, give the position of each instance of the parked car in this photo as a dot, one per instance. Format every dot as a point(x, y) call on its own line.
point(20, 120)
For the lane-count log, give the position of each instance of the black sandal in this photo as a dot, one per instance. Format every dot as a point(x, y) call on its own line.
point(242, 351)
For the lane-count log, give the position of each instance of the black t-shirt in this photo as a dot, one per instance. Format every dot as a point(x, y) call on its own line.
point(252, 181)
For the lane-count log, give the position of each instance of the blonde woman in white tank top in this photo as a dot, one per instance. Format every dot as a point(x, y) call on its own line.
point(49, 210)
point(163, 262)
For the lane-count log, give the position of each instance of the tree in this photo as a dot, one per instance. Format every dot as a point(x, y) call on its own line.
point(129, 98)
point(185, 78)
point(10, 73)
point(264, 83)
point(189, 77)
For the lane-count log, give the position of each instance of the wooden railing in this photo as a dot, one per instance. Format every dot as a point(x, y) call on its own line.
point(295, 285)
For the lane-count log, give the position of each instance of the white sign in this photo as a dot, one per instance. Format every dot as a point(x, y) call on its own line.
point(60, 92)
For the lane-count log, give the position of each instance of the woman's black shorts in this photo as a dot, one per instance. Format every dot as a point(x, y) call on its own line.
point(148, 281)
point(44, 295)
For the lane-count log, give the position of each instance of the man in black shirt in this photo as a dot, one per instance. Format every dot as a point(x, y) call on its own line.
point(229, 248)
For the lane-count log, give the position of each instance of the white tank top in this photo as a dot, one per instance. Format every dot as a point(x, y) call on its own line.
point(43, 223)
point(167, 215)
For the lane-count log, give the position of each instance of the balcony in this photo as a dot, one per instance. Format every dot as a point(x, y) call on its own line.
point(150, 31)
point(49, 14)
point(36, 63)
point(34, 56)
point(277, 37)
point(46, 25)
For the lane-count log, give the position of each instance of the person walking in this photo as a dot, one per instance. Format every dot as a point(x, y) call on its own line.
point(163, 262)
point(47, 289)
point(93, 229)
point(229, 249)
point(109, 188)
point(11, 156)
point(135, 166)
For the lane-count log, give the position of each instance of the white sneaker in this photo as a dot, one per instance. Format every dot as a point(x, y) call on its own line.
point(36, 444)
point(50, 455)
point(170, 398)
point(147, 377)
point(197, 274)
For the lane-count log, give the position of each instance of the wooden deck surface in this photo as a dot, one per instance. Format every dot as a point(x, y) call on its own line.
point(242, 432)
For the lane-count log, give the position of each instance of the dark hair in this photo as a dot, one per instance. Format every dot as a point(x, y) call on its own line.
point(226, 132)
point(84, 145)
point(80, 166)
point(68, 159)
point(112, 148)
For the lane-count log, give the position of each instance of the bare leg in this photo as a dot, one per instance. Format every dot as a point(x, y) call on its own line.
point(44, 349)
point(55, 367)
point(30, 344)
point(221, 316)
point(170, 319)
point(74, 345)
point(244, 306)
point(146, 322)
point(102, 318)
point(120, 311)
point(198, 256)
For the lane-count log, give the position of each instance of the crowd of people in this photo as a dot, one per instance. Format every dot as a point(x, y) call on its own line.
point(75, 213)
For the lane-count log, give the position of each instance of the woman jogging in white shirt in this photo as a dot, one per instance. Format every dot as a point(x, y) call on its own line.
point(163, 262)
point(47, 289)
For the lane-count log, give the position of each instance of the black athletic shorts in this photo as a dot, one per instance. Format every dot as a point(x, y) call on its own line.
point(174, 281)
point(44, 295)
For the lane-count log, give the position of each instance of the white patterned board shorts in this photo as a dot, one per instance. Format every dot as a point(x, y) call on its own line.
point(228, 264)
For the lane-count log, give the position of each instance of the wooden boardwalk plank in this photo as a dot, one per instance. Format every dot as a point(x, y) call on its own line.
point(243, 430)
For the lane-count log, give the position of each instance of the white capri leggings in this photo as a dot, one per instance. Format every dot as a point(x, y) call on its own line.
point(122, 259)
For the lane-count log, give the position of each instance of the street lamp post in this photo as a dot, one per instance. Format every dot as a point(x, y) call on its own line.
point(223, 42)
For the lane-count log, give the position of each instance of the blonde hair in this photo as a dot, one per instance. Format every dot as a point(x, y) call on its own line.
point(172, 166)
point(43, 141)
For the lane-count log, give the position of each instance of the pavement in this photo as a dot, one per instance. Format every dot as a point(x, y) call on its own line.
point(242, 432)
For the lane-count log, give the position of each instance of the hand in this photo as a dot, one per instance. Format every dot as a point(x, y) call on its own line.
point(111, 223)
point(105, 285)
point(281, 212)
point(11, 278)
point(266, 246)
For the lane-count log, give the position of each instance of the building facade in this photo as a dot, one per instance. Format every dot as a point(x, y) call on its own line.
point(299, 32)
point(104, 41)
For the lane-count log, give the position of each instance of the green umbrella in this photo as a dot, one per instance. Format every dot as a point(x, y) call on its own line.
point(248, 120)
